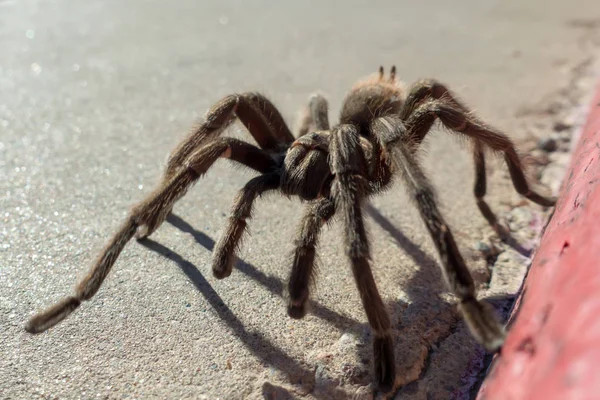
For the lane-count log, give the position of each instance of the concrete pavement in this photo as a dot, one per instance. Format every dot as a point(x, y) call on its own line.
point(94, 95)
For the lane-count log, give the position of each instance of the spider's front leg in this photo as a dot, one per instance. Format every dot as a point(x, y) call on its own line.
point(319, 211)
point(349, 189)
point(479, 317)
point(304, 173)
point(224, 253)
point(317, 214)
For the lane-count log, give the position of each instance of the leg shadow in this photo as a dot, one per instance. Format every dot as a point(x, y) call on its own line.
point(509, 240)
point(259, 346)
point(428, 320)
point(428, 277)
point(274, 285)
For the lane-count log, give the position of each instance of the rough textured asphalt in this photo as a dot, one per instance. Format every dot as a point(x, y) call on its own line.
point(95, 94)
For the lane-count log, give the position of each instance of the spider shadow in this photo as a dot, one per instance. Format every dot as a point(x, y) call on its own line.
point(423, 289)
point(254, 341)
point(271, 283)
point(428, 278)
point(428, 313)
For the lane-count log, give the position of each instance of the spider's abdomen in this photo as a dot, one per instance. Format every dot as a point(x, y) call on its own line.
point(371, 99)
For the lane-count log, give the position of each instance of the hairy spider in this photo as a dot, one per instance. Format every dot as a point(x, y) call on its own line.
point(335, 170)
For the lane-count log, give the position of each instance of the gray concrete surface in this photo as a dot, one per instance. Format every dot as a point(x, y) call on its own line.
point(93, 96)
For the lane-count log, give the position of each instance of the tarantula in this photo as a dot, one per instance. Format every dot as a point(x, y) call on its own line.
point(334, 170)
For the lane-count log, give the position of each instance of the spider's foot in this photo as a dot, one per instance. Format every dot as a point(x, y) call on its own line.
point(384, 362)
point(222, 265)
point(297, 310)
point(52, 316)
point(483, 324)
point(544, 201)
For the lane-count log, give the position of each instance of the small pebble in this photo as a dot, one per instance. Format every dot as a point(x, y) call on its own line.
point(540, 157)
point(547, 144)
point(346, 341)
point(562, 126)
point(552, 177)
point(484, 248)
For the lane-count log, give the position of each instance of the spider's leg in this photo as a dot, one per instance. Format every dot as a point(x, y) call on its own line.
point(151, 212)
point(88, 286)
point(225, 248)
point(271, 115)
point(480, 319)
point(315, 115)
point(428, 89)
point(255, 111)
point(429, 100)
point(317, 214)
point(349, 189)
point(461, 122)
point(480, 188)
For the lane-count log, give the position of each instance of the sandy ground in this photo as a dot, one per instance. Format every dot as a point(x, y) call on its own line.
point(95, 94)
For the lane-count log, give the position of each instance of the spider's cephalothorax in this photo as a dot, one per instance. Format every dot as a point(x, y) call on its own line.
point(335, 170)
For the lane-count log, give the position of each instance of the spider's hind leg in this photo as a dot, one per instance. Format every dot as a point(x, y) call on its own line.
point(429, 100)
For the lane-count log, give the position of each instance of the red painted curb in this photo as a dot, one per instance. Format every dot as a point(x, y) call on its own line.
point(552, 351)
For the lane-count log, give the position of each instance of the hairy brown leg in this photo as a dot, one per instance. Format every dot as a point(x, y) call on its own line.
point(272, 116)
point(461, 122)
point(429, 89)
point(155, 208)
point(306, 167)
point(479, 317)
point(150, 212)
point(316, 215)
point(256, 112)
point(480, 188)
point(319, 109)
point(429, 100)
point(349, 189)
point(89, 285)
point(315, 116)
point(224, 253)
